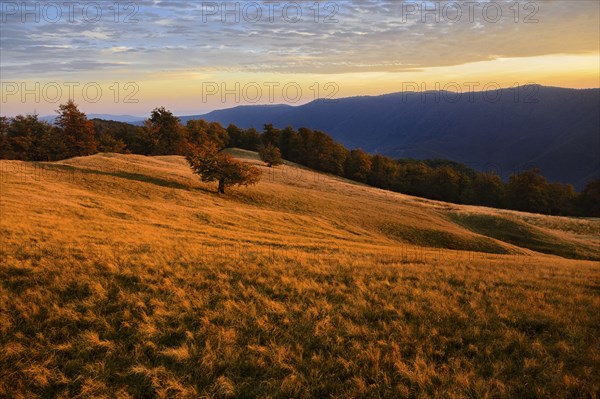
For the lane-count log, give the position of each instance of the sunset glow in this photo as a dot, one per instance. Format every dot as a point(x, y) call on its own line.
point(175, 55)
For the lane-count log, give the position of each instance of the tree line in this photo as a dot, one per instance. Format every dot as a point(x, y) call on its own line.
point(30, 139)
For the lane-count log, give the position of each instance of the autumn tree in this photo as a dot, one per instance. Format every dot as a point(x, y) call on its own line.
point(270, 155)
point(336, 159)
point(5, 149)
point(445, 185)
point(211, 164)
point(252, 139)
point(384, 172)
point(561, 199)
point(108, 140)
point(414, 178)
point(22, 135)
point(165, 133)
point(306, 150)
point(77, 131)
point(201, 131)
point(486, 189)
point(29, 139)
point(236, 136)
point(358, 166)
point(321, 152)
point(286, 138)
point(114, 136)
point(270, 136)
point(197, 133)
point(249, 139)
point(291, 146)
point(589, 199)
point(528, 191)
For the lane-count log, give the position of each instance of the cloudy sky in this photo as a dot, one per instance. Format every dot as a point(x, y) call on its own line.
point(195, 56)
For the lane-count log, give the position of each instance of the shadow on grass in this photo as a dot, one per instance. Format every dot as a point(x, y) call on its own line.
point(73, 171)
point(523, 235)
point(440, 239)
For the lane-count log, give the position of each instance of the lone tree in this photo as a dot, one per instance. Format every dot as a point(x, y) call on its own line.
point(212, 165)
point(270, 155)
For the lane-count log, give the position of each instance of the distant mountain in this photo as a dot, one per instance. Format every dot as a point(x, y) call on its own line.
point(247, 114)
point(117, 118)
point(508, 130)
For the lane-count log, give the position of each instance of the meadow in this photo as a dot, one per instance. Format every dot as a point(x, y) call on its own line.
point(124, 276)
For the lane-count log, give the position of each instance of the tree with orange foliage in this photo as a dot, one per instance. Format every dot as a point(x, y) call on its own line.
point(76, 131)
point(214, 165)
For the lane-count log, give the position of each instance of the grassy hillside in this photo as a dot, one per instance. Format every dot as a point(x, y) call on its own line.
point(125, 276)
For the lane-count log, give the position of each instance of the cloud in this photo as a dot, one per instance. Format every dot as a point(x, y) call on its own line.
point(369, 35)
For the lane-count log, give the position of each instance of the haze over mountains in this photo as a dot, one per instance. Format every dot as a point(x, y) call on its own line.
point(118, 118)
point(508, 130)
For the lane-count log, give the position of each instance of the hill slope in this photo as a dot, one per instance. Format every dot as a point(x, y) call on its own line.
point(292, 206)
point(124, 276)
point(508, 131)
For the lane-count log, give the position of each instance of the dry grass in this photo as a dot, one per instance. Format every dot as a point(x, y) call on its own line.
point(124, 276)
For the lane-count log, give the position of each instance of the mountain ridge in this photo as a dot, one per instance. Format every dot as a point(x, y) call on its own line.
point(552, 128)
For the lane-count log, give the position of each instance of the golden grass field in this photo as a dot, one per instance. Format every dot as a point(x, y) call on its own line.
point(124, 276)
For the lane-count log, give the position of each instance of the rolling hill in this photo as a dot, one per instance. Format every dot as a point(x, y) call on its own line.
point(508, 131)
point(125, 276)
point(320, 200)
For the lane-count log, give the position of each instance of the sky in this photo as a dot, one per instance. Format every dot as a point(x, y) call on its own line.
point(193, 57)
